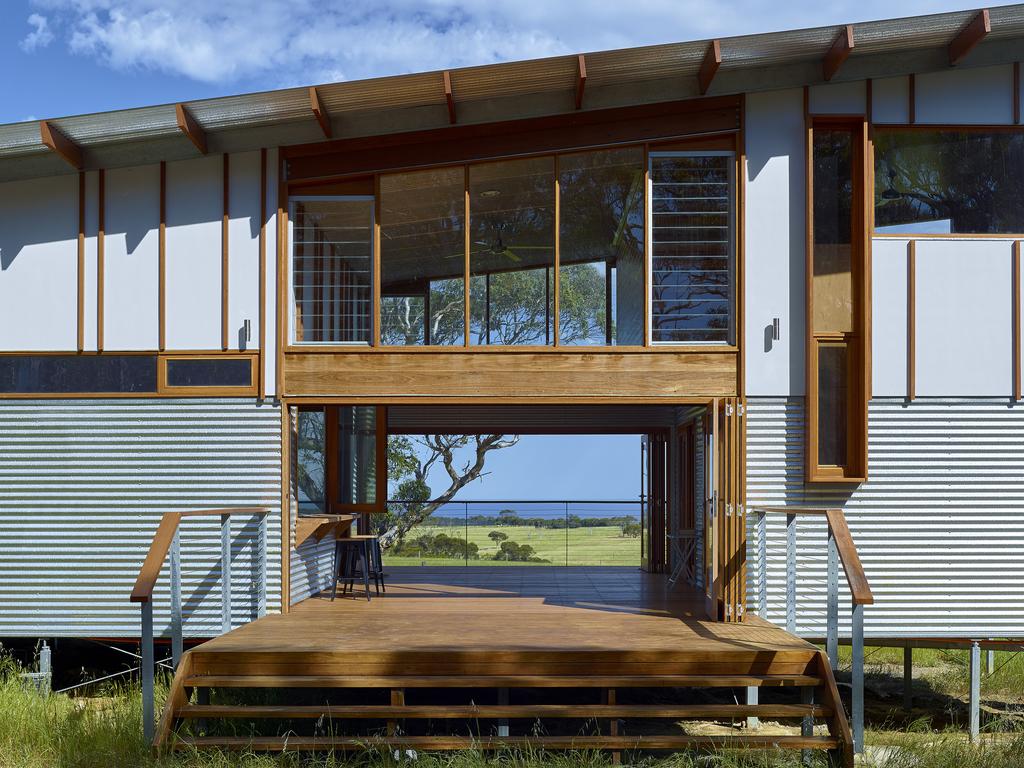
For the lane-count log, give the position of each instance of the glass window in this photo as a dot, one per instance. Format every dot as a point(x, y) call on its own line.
point(692, 247)
point(311, 461)
point(48, 374)
point(949, 182)
point(205, 372)
point(601, 248)
point(833, 230)
point(833, 404)
point(332, 269)
point(422, 257)
point(512, 223)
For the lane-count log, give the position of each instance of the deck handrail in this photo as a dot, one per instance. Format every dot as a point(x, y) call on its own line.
point(167, 540)
point(856, 579)
point(841, 549)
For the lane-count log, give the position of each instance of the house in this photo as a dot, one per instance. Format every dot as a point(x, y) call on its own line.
point(809, 298)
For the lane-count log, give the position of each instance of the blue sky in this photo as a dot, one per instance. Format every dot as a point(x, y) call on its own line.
point(64, 57)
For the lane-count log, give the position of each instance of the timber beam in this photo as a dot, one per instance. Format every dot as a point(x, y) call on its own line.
point(709, 67)
point(192, 130)
point(319, 112)
point(968, 37)
point(838, 53)
point(449, 97)
point(57, 142)
point(581, 79)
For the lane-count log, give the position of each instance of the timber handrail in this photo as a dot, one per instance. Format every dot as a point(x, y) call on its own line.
point(167, 540)
point(856, 579)
point(841, 549)
point(161, 544)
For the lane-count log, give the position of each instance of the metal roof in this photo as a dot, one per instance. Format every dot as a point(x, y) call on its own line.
point(508, 91)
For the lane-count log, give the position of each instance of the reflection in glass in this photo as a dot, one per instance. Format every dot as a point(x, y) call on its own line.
point(422, 253)
point(311, 461)
point(833, 403)
point(512, 251)
point(833, 230)
point(691, 240)
point(945, 182)
point(357, 454)
point(332, 275)
point(601, 288)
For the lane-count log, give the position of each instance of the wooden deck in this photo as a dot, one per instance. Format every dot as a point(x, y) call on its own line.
point(610, 629)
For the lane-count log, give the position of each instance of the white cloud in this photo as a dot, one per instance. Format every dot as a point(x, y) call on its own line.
point(303, 41)
point(40, 36)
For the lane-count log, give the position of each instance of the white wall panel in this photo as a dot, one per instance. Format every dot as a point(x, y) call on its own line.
point(981, 95)
point(889, 318)
point(963, 319)
point(939, 525)
point(890, 98)
point(195, 204)
point(270, 278)
point(848, 98)
point(244, 251)
point(131, 274)
point(775, 242)
point(91, 263)
point(39, 264)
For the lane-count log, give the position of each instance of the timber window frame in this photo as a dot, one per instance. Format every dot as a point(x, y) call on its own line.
point(847, 386)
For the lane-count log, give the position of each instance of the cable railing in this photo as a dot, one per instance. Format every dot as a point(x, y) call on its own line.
point(841, 551)
point(511, 532)
point(167, 540)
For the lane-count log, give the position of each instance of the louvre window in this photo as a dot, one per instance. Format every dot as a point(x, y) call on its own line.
point(692, 247)
point(332, 269)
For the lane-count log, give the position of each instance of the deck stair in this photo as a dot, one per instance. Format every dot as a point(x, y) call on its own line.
point(236, 701)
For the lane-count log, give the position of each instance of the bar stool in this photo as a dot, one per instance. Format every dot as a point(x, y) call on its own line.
point(351, 560)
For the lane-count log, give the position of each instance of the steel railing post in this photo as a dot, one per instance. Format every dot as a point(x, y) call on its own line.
point(762, 563)
point(832, 607)
point(791, 572)
point(857, 677)
point(177, 641)
point(975, 697)
point(261, 581)
point(465, 510)
point(806, 723)
point(566, 503)
point(908, 677)
point(225, 573)
point(147, 671)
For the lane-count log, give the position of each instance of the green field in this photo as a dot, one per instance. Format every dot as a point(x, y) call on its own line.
point(598, 545)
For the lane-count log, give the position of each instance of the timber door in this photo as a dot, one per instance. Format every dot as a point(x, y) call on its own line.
point(724, 518)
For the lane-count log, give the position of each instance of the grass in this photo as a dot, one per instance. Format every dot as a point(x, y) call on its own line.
point(57, 731)
point(598, 545)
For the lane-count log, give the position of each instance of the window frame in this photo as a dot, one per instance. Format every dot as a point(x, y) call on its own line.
point(858, 340)
point(164, 388)
point(374, 277)
point(733, 250)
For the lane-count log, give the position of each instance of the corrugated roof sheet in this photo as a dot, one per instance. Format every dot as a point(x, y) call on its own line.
point(282, 117)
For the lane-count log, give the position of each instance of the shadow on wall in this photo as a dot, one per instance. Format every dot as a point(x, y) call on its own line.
point(43, 211)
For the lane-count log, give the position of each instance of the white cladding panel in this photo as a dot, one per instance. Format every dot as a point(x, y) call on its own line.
point(890, 98)
point(775, 242)
point(963, 322)
point(91, 280)
point(939, 525)
point(244, 250)
point(849, 98)
point(270, 278)
point(195, 204)
point(889, 318)
point(131, 273)
point(983, 95)
point(101, 473)
point(39, 264)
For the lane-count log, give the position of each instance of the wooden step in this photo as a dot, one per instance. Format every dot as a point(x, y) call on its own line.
point(498, 681)
point(510, 711)
point(310, 743)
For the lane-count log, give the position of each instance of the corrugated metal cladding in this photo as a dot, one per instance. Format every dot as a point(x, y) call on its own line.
point(939, 525)
point(83, 484)
point(310, 568)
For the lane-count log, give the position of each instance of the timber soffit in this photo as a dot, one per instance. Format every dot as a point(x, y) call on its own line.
point(515, 89)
